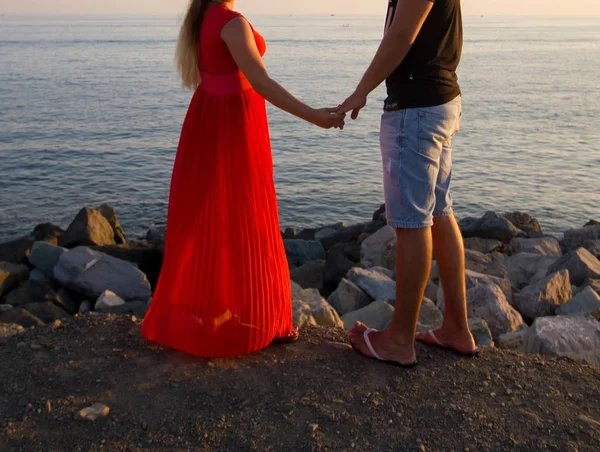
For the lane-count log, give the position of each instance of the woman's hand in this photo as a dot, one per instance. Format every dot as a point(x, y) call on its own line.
point(328, 118)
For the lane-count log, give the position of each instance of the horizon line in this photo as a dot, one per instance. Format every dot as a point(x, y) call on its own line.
point(4, 14)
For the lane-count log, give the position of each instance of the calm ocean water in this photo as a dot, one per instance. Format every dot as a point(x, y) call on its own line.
point(91, 110)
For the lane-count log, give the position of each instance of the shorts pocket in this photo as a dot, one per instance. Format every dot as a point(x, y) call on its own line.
point(434, 131)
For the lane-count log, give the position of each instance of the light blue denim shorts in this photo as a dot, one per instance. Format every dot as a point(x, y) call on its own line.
point(416, 149)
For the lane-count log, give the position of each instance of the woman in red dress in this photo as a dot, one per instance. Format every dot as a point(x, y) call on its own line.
point(225, 284)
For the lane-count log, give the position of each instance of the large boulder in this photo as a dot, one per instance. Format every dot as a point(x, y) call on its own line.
point(494, 265)
point(595, 285)
point(89, 228)
point(512, 341)
point(481, 333)
point(348, 297)
point(91, 273)
point(574, 337)
point(377, 250)
point(490, 226)
point(594, 248)
point(310, 308)
point(47, 312)
point(525, 268)
point(544, 246)
point(66, 299)
point(29, 292)
point(21, 317)
point(11, 275)
point(375, 284)
point(44, 256)
point(475, 279)
point(110, 215)
point(310, 275)
point(545, 297)
point(577, 238)
point(524, 222)
point(430, 317)
point(342, 236)
point(585, 302)
point(378, 315)
point(484, 246)
point(488, 302)
point(300, 252)
point(143, 255)
point(580, 263)
point(324, 314)
point(17, 251)
point(329, 230)
point(302, 314)
point(337, 266)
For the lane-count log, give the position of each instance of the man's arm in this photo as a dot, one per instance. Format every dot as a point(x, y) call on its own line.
point(404, 29)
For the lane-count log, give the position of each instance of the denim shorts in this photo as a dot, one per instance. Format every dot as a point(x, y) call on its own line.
point(416, 149)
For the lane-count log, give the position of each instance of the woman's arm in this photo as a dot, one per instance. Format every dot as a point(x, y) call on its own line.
point(239, 38)
point(408, 21)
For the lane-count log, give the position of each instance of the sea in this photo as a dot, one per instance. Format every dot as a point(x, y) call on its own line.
point(91, 110)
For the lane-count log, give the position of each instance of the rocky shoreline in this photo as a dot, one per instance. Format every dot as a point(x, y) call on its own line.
point(528, 291)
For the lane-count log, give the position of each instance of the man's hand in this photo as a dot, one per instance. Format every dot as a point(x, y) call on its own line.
point(356, 102)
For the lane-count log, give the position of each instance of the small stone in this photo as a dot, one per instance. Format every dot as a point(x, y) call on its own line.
point(49, 406)
point(96, 411)
point(35, 346)
point(57, 324)
point(145, 425)
point(313, 427)
point(85, 307)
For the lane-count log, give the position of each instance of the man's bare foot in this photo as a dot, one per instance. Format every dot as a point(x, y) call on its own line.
point(460, 341)
point(385, 347)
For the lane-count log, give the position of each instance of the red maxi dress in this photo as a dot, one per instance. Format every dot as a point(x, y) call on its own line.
point(224, 289)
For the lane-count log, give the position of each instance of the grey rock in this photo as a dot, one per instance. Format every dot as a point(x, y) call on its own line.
point(17, 251)
point(378, 315)
point(512, 341)
point(47, 312)
point(475, 279)
point(375, 250)
point(309, 275)
point(580, 263)
point(89, 228)
point(302, 314)
point(111, 216)
point(300, 252)
point(324, 314)
point(586, 302)
point(20, 317)
point(574, 337)
point(432, 291)
point(38, 276)
point(297, 291)
point(135, 308)
point(487, 264)
point(543, 298)
point(577, 238)
point(108, 301)
point(29, 292)
point(434, 274)
point(67, 300)
point(91, 273)
point(544, 246)
point(385, 272)
point(45, 256)
point(337, 266)
point(488, 302)
point(343, 236)
point(484, 246)
point(5, 307)
point(85, 307)
point(11, 276)
point(524, 222)
point(525, 268)
point(594, 284)
point(481, 333)
point(594, 248)
point(373, 283)
point(348, 297)
point(380, 211)
point(325, 233)
point(490, 226)
point(430, 317)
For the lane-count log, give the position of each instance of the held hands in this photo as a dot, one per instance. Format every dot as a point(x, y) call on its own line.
point(355, 103)
point(328, 118)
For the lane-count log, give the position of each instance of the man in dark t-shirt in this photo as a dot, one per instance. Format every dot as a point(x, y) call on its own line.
point(418, 58)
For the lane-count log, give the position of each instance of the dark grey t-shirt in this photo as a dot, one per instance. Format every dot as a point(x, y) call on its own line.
point(427, 76)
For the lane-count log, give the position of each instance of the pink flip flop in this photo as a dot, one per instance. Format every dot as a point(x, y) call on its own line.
point(436, 343)
point(374, 355)
point(293, 336)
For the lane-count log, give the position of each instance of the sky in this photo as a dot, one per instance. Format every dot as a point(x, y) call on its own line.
point(489, 7)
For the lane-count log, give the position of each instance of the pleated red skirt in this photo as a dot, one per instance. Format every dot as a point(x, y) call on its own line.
point(224, 289)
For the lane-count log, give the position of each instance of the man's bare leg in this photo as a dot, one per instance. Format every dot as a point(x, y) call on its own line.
point(450, 254)
point(413, 264)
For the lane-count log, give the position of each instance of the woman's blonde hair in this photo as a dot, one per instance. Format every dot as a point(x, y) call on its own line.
point(186, 53)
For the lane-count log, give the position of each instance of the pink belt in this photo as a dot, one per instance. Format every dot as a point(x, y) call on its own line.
point(225, 84)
